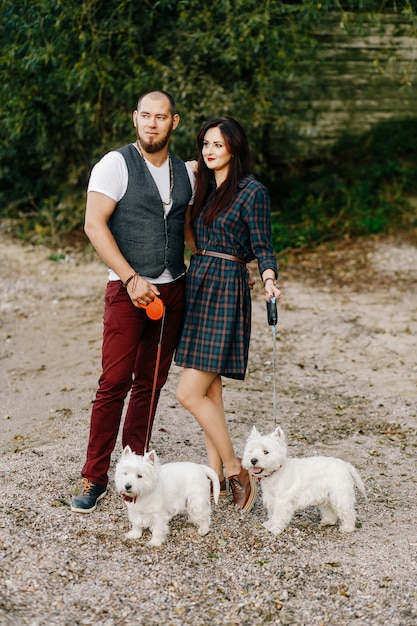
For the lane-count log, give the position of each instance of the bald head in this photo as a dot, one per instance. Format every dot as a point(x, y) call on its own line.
point(159, 95)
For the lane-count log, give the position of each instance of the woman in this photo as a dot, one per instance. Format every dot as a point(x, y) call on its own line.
point(229, 225)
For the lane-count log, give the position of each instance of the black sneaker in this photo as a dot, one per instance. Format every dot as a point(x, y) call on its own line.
point(88, 496)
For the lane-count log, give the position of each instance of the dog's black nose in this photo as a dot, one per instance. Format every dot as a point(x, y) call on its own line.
point(128, 487)
point(254, 462)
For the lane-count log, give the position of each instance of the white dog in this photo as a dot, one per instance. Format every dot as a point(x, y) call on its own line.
point(290, 485)
point(154, 493)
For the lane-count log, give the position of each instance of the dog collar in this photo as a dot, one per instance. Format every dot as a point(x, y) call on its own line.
point(259, 478)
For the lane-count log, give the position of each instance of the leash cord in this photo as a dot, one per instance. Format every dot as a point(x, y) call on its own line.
point(155, 379)
point(274, 383)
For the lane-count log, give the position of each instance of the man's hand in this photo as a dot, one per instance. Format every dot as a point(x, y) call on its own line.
point(141, 292)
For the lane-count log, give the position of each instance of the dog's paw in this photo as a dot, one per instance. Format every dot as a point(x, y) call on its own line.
point(155, 542)
point(271, 528)
point(328, 522)
point(347, 528)
point(133, 534)
point(203, 530)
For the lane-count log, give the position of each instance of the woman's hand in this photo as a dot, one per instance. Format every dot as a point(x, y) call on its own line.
point(271, 288)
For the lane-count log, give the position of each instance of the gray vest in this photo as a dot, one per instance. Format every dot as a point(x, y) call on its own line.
point(150, 242)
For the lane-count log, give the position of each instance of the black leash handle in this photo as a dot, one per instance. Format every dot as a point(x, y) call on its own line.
point(272, 312)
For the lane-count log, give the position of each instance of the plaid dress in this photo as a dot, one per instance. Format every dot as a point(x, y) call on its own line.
point(217, 325)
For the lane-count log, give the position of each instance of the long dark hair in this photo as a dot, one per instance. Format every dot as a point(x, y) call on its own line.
point(237, 143)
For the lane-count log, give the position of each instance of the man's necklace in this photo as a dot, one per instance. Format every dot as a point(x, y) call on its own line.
point(165, 205)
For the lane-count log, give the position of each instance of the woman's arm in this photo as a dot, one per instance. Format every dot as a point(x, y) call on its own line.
point(259, 219)
point(188, 230)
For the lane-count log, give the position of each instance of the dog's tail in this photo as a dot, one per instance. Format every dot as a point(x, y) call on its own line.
point(357, 479)
point(211, 474)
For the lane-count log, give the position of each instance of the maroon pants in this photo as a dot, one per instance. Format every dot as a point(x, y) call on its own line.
point(129, 355)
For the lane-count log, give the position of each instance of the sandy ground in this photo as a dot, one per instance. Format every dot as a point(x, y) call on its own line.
point(346, 386)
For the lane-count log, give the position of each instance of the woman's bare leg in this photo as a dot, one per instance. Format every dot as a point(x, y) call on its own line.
point(215, 392)
point(200, 393)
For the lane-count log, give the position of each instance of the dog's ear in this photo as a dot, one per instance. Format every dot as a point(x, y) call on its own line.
point(254, 433)
point(152, 456)
point(279, 433)
point(127, 450)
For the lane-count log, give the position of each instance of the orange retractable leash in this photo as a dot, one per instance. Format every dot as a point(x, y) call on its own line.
point(155, 310)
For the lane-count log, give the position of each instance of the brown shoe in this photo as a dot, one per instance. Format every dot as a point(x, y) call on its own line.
point(223, 489)
point(244, 490)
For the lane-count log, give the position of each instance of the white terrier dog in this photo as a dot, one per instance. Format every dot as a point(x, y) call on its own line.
point(155, 493)
point(290, 485)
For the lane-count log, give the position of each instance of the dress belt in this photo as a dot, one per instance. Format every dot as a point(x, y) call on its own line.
point(220, 255)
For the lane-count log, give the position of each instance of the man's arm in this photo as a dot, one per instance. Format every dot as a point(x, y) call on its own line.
point(99, 209)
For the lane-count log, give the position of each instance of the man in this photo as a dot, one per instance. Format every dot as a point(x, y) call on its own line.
point(136, 202)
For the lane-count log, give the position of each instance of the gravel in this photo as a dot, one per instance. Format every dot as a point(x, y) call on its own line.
point(346, 387)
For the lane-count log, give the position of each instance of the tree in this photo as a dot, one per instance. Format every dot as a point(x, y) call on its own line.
point(72, 69)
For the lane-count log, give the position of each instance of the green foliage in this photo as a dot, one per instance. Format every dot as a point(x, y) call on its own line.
point(58, 102)
point(362, 189)
point(71, 72)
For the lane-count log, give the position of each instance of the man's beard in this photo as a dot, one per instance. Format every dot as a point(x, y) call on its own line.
point(151, 148)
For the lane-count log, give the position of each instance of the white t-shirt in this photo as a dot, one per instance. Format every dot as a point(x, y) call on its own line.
point(110, 177)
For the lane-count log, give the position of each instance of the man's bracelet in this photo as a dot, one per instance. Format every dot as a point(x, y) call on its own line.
point(270, 278)
point(127, 281)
